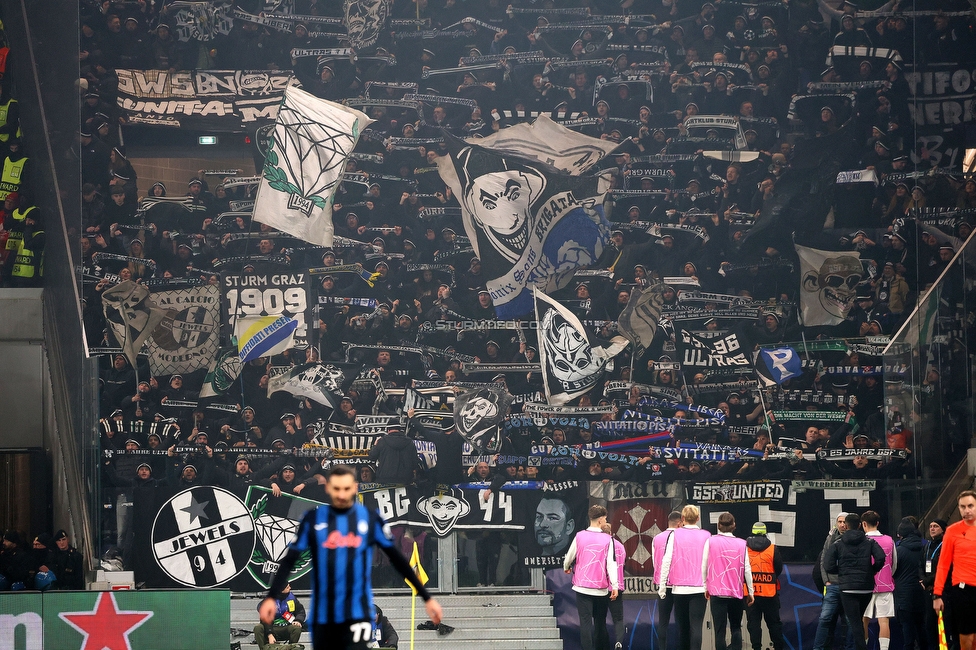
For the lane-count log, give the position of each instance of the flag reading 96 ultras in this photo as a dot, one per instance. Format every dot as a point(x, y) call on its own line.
point(529, 223)
point(311, 141)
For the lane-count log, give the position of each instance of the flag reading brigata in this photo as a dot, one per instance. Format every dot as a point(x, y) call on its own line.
point(530, 224)
point(572, 361)
point(828, 285)
point(311, 141)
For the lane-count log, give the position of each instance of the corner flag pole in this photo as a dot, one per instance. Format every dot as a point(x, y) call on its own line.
point(422, 577)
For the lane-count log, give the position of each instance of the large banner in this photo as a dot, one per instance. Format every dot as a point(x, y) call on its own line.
point(203, 100)
point(941, 94)
point(69, 620)
point(267, 294)
point(557, 513)
point(531, 224)
point(188, 336)
point(205, 536)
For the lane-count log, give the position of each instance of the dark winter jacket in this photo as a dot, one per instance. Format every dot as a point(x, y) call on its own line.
point(909, 594)
point(396, 459)
point(856, 559)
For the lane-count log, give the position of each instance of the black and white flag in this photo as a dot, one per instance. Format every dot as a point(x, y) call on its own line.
point(319, 382)
point(131, 316)
point(478, 416)
point(203, 537)
point(723, 352)
point(530, 224)
point(365, 20)
point(202, 21)
point(188, 336)
point(638, 320)
point(311, 141)
point(572, 361)
point(828, 285)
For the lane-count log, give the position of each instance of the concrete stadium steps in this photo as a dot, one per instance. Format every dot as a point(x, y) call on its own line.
point(492, 621)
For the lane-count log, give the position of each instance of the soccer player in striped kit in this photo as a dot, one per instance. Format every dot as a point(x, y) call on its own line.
point(341, 537)
point(683, 570)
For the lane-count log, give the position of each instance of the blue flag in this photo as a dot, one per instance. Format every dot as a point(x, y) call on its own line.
point(778, 365)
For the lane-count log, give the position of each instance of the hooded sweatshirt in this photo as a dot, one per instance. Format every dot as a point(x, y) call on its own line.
point(856, 559)
point(909, 594)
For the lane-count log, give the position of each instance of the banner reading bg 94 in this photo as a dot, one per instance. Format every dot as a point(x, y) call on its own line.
point(135, 620)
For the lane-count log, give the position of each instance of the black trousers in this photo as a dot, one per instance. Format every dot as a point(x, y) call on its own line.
point(664, 609)
point(689, 614)
point(617, 616)
point(765, 608)
point(854, 607)
point(593, 621)
point(727, 612)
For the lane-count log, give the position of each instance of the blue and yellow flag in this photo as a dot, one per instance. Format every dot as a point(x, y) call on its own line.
point(417, 568)
point(261, 336)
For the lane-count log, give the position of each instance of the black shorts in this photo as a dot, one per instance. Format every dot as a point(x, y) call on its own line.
point(352, 635)
point(962, 604)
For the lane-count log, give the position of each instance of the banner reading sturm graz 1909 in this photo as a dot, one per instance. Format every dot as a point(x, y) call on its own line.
point(267, 294)
point(206, 100)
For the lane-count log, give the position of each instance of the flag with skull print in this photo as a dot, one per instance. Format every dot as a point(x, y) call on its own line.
point(319, 382)
point(572, 361)
point(531, 224)
point(828, 285)
point(478, 416)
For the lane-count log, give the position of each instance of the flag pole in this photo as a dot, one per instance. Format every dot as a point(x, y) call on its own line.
point(413, 601)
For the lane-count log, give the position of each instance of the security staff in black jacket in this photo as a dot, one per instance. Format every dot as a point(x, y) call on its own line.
point(68, 566)
point(856, 559)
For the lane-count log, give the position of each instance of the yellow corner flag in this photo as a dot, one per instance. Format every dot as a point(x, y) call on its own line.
point(942, 635)
point(417, 568)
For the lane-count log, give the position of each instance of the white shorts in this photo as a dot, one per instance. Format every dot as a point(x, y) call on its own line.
point(882, 605)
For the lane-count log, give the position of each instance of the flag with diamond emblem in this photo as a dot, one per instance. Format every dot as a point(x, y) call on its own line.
point(307, 154)
point(276, 521)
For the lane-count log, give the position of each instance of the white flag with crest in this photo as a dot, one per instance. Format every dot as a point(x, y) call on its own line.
point(307, 154)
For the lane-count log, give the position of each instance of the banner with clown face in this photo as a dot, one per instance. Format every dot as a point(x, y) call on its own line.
point(479, 415)
point(531, 224)
point(828, 285)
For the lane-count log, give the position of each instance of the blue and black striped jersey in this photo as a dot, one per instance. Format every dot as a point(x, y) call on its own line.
point(342, 543)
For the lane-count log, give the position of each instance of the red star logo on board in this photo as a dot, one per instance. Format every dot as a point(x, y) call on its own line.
point(105, 627)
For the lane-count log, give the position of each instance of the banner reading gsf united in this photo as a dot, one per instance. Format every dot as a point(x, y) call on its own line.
point(207, 100)
point(267, 294)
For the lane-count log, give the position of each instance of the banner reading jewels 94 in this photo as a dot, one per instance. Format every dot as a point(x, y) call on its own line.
point(204, 100)
point(267, 294)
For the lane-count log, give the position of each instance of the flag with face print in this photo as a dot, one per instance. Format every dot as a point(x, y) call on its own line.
point(530, 224)
point(572, 360)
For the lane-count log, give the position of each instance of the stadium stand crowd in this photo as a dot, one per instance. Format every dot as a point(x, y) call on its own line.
point(631, 81)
